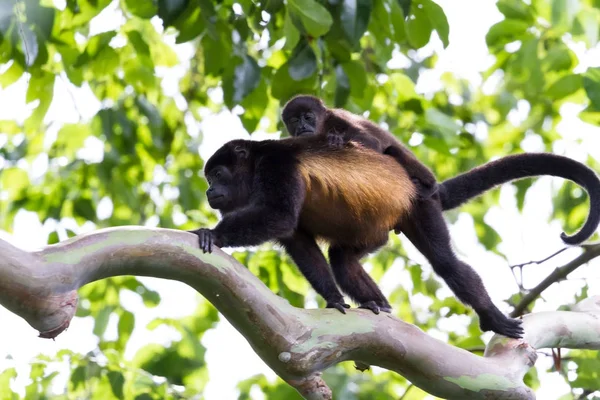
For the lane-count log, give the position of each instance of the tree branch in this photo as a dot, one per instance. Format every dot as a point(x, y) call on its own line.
point(590, 251)
point(298, 344)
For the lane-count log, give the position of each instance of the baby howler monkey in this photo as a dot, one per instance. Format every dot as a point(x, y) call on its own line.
point(307, 115)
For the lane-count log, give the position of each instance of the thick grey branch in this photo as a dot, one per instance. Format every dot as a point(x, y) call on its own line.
point(298, 344)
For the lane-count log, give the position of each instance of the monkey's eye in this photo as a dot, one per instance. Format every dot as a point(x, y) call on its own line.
point(294, 120)
point(218, 175)
point(310, 116)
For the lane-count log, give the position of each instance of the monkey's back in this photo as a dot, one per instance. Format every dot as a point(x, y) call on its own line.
point(353, 195)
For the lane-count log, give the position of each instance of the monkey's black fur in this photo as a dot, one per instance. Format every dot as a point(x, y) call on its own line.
point(458, 190)
point(307, 115)
point(264, 194)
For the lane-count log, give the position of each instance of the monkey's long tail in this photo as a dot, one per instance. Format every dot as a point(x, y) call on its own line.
point(456, 191)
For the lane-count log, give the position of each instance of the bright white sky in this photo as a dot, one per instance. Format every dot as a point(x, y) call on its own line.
point(526, 236)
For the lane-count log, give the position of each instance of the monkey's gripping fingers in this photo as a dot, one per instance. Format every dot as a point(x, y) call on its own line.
point(376, 308)
point(370, 305)
point(499, 323)
point(205, 239)
point(339, 305)
point(334, 139)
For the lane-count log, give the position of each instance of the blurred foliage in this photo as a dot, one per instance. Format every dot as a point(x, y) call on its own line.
point(135, 161)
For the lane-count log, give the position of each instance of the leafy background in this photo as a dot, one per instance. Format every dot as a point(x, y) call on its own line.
point(108, 109)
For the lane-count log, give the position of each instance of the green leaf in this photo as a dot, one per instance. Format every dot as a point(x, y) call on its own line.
point(78, 377)
point(142, 8)
point(125, 326)
point(84, 208)
point(255, 105)
point(117, 382)
point(41, 87)
point(563, 13)
point(70, 139)
point(589, 24)
point(404, 86)
point(283, 86)
point(170, 10)
point(515, 9)
point(11, 75)
point(342, 87)
point(302, 62)
point(505, 31)
point(14, 180)
point(354, 17)
point(418, 27)
point(558, 58)
point(243, 79)
point(442, 122)
point(397, 16)
point(591, 84)
point(6, 16)
point(190, 26)
point(5, 378)
point(95, 46)
point(101, 321)
point(291, 33)
point(438, 20)
point(379, 25)
point(315, 18)
point(565, 86)
point(41, 17)
point(357, 75)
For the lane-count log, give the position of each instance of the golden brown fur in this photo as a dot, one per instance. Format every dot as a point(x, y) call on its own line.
point(353, 181)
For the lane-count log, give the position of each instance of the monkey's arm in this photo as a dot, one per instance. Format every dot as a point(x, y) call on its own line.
point(272, 213)
point(418, 172)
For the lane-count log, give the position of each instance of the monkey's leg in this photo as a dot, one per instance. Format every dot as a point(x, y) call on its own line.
point(354, 280)
point(427, 230)
point(419, 173)
point(310, 261)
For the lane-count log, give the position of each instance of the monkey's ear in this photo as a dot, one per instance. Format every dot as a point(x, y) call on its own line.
point(241, 152)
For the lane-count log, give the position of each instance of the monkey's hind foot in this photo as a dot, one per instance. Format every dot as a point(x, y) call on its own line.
point(373, 306)
point(338, 305)
point(499, 323)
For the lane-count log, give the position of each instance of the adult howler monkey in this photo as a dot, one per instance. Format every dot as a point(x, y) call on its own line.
point(307, 115)
point(298, 190)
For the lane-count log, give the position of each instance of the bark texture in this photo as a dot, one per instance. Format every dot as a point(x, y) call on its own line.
point(298, 344)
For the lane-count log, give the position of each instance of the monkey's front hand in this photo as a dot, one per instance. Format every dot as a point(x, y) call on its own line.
point(334, 139)
point(206, 239)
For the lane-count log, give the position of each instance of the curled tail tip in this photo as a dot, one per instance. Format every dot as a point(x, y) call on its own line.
point(577, 238)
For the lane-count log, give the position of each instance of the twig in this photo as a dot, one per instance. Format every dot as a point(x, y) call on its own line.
point(540, 261)
point(406, 391)
point(590, 252)
point(21, 32)
point(73, 99)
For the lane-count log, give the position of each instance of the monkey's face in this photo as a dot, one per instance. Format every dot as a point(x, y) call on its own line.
point(302, 115)
point(219, 193)
point(303, 123)
point(228, 178)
